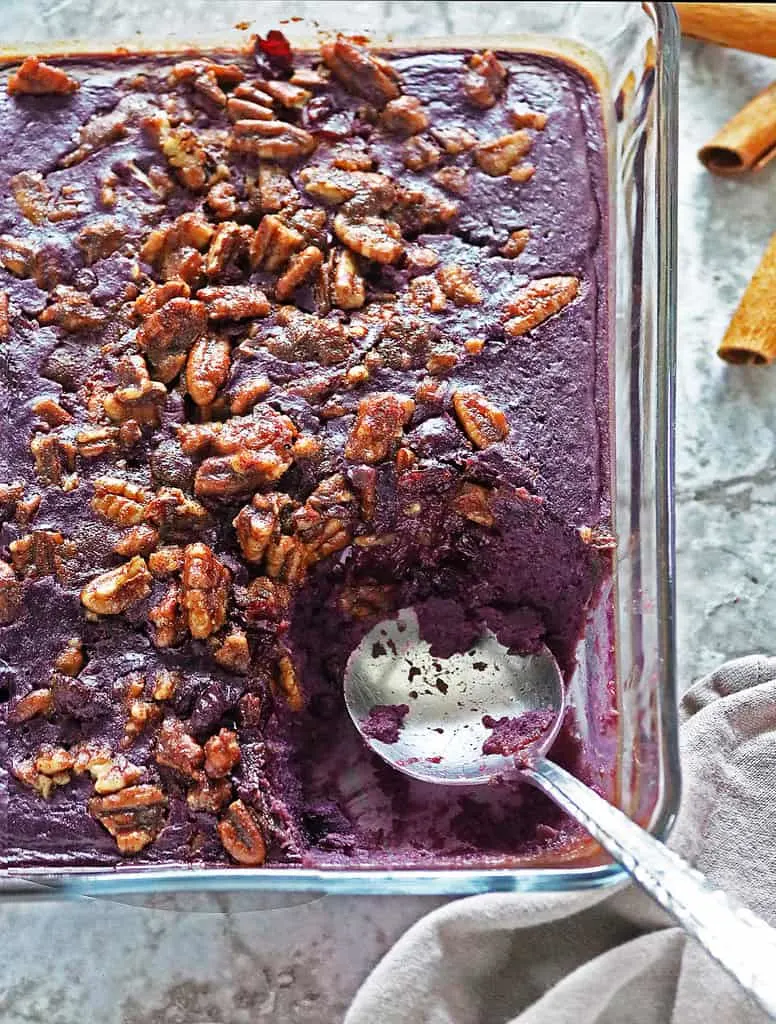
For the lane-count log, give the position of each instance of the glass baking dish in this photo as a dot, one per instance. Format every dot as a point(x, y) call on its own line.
point(632, 51)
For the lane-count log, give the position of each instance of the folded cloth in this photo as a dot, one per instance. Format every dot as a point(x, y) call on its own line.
point(599, 957)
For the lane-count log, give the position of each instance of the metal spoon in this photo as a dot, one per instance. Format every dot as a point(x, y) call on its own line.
point(440, 740)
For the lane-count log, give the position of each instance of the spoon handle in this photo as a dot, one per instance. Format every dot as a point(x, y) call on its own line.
point(736, 938)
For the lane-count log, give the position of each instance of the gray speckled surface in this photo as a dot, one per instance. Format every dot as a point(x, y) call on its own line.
point(117, 964)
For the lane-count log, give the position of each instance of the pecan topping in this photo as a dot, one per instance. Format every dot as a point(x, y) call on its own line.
point(274, 243)
point(134, 816)
point(229, 242)
point(347, 284)
point(234, 302)
point(210, 795)
point(118, 589)
point(378, 427)
point(500, 155)
point(285, 93)
point(256, 524)
point(165, 684)
point(287, 684)
point(16, 256)
point(276, 189)
point(306, 337)
point(485, 80)
point(175, 512)
point(232, 652)
point(222, 200)
point(374, 238)
point(271, 140)
point(37, 78)
point(222, 752)
point(473, 502)
point(138, 540)
point(457, 284)
point(168, 334)
point(454, 179)
point(241, 836)
point(39, 553)
point(184, 152)
point(120, 500)
point(51, 412)
point(336, 187)
point(112, 775)
point(205, 591)
point(300, 268)
point(72, 310)
point(159, 294)
point(97, 442)
point(37, 702)
point(454, 139)
point(207, 368)
point(5, 316)
point(515, 244)
point(176, 749)
point(424, 291)
point(361, 72)
point(246, 110)
point(166, 561)
point(71, 660)
point(138, 397)
point(100, 239)
point(168, 619)
point(482, 422)
point(404, 116)
point(538, 301)
point(419, 154)
point(32, 195)
point(522, 117)
point(54, 458)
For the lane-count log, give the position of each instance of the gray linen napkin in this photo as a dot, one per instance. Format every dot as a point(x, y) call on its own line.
point(602, 958)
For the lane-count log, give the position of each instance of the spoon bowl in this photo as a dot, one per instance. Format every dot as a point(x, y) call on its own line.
point(424, 714)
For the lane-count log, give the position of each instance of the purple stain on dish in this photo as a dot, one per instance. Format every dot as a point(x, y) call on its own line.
point(512, 734)
point(384, 722)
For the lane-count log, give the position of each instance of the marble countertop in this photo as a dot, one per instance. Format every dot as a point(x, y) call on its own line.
point(121, 964)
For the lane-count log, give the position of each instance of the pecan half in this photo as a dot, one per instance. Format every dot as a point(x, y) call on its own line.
point(168, 618)
point(176, 749)
point(537, 302)
point(137, 540)
point(138, 397)
point(378, 428)
point(372, 237)
point(515, 244)
point(204, 591)
point(54, 458)
point(300, 268)
point(271, 140)
point(39, 79)
point(37, 702)
point(10, 594)
point(276, 190)
point(134, 816)
point(234, 302)
point(210, 795)
point(485, 80)
point(500, 155)
point(72, 310)
point(40, 553)
point(120, 500)
point(241, 836)
point(71, 659)
point(482, 422)
point(238, 109)
point(230, 241)
point(232, 651)
point(347, 285)
point(286, 560)
point(458, 284)
point(361, 72)
point(159, 294)
point(168, 334)
point(256, 524)
point(419, 153)
point(274, 243)
point(222, 752)
point(207, 368)
point(118, 589)
point(32, 195)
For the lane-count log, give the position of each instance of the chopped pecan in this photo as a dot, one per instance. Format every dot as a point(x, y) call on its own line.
point(26, 772)
point(134, 816)
point(474, 346)
point(138, 397)
point(418, 154)
point(205, 591)
point(232, 651)
point(500, 155)
point(16, 256)
point(454, 179)
point(37, 78)
point(114, 774)
point(276, 190)
point(10, 495)
point(190, 70)
point(32, 195)
point(100, 239)
point(168, 618)
point(336, 187)
point(286, 684)
point(352, 155)
point(271, 140)
point(367, 599)
point(234, 302)
point(229, 242)
point(53, 760)
point(176, 749)
point(210, 795)
point(175, 512)
point(27, 509)
point(248, 393)
point(168, 334)
point(361, 72)
point(37, 702)
point(119, 500)
point(300, 268)
point(98, 132)
point(185, 153)
point(374, 238)
point(71, 659)
point(404, 116)
point(72, 310)
point(40, 553)
point(158, 295)
point(5, 316)
point(165, 684)
point(473, 502)
point(51, 412)
point(441, 362)
point(137, 540)
point(347, 284)
point(166, 561)
point(378, 428)
point(222, 200)
point(241, 836)
point(256, 524)
point(482, 422)
point(538, 301)
point(96, 442)
point(285, 93)
point(238, 109)
point(597, 537)
point(453, 139)
point(286, 560)
point(309, 78)
point(207, 368)
point(53, 458)
point(523, 117)
point(523, 172)
point(419, 209)
point(222, 752)
point(515, 244)
point(118, 589)
point(485, 80)
point(274, 243)
point(425, 291)
point(458, 284)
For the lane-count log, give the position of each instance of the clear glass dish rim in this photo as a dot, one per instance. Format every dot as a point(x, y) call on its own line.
point(43, 883)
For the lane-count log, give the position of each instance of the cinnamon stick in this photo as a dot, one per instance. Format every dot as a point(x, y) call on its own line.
point(751, 334)
point(749, 27)
point(748, 141)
